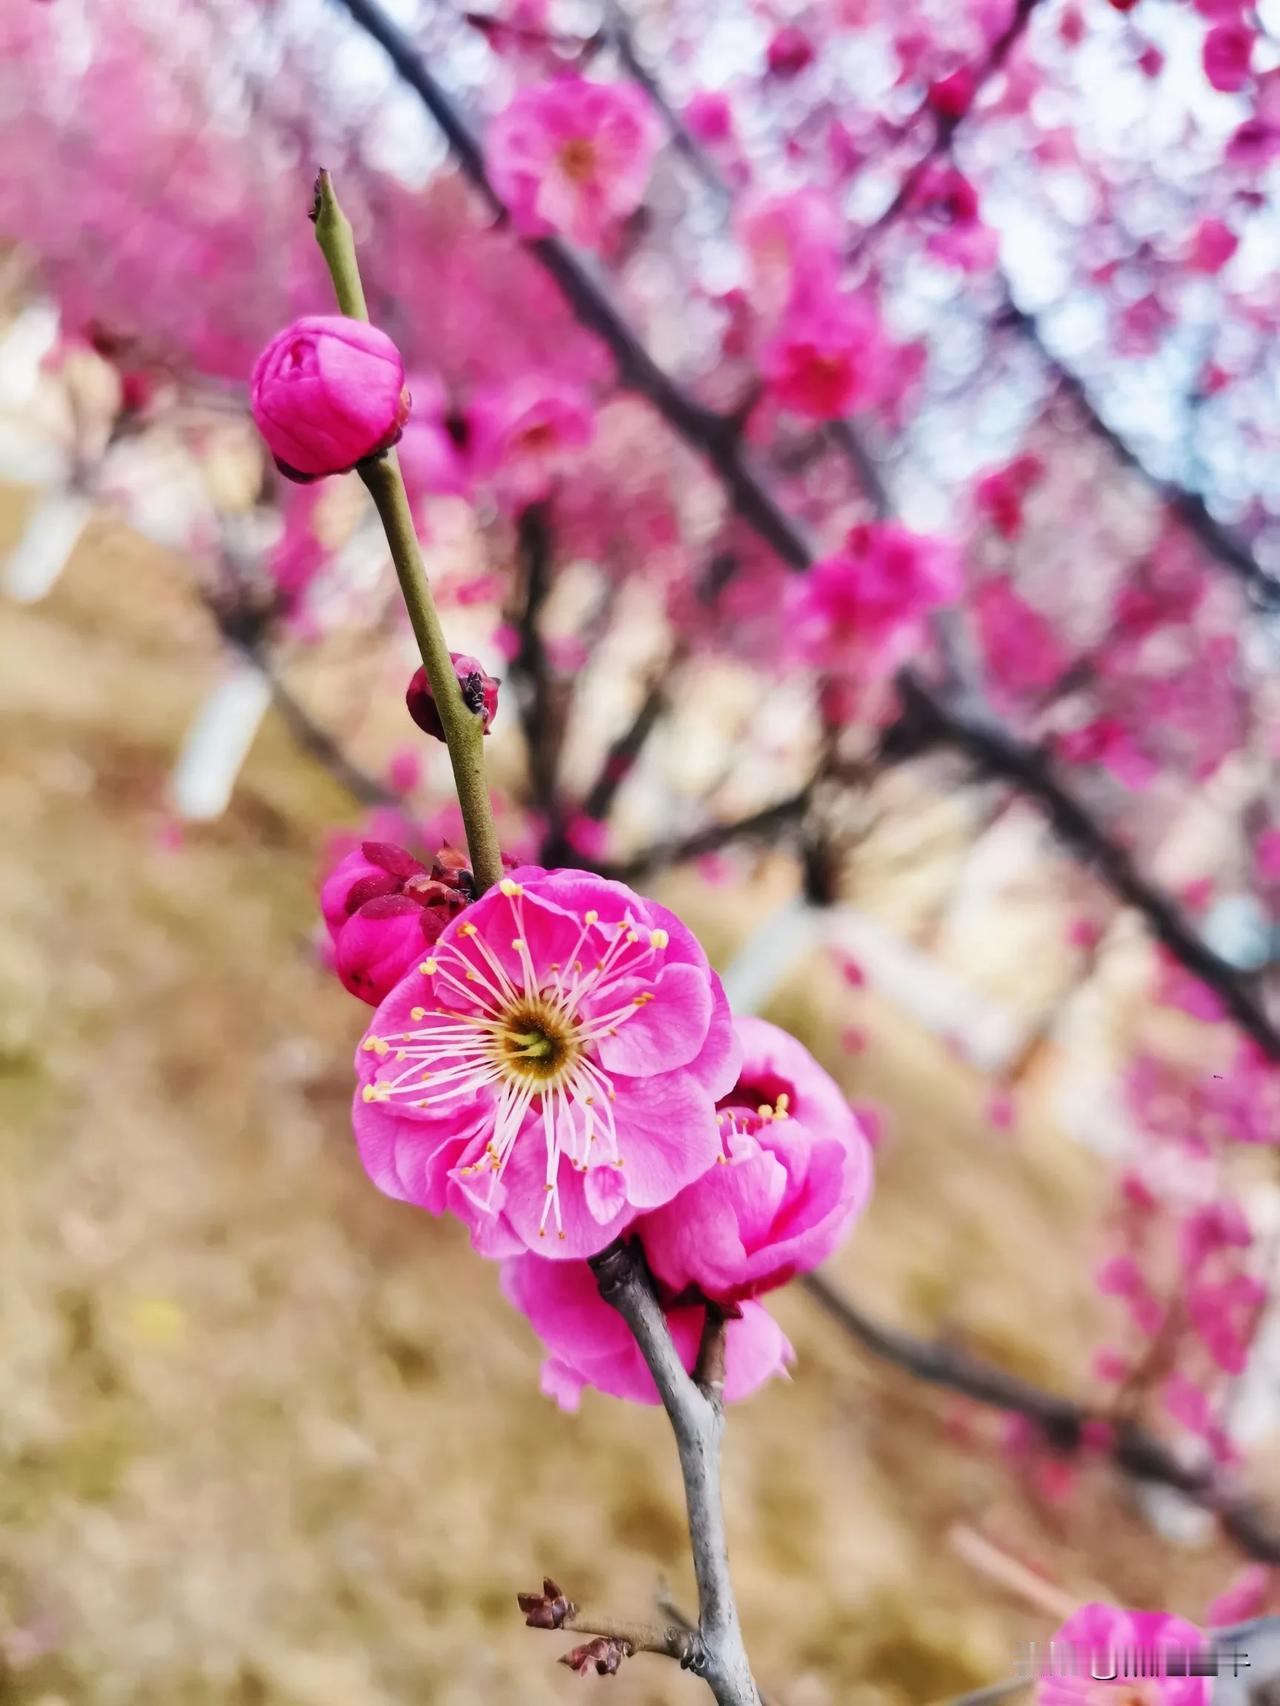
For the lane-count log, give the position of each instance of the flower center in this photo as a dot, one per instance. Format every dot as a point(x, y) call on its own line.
point(521, 1038)
point(578, 159)
point(537, 1042)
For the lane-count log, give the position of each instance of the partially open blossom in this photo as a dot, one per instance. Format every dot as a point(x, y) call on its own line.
point(479, 694)
point(1001, 494)
point(327, 393)
point(826, 357)
point(708, 114)
point(1107, 742)
point(1244, 1596)
point(550, 1069)
point(573, 157)
point(523, 436)
point(951, 96)
point(1212, 245)
point(946, 198)
point(383, 909)
point(1097, 1637)
point(795, 1172)
point(591, 1345)
point(790, 52)
point(1228, 53)
point(861, 612)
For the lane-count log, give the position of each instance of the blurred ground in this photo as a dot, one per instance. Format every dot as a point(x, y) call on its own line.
point(271, 1440)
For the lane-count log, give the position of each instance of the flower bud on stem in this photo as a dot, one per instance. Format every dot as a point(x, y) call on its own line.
point(463, 729)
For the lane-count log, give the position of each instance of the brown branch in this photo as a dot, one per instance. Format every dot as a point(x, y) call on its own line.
point(1189, 507)
point(754, 826)
point(696, 1414)
point(540, 714)
point(553, 1609)
point(945, 127)
point(928, 721)
point(1062, 1422)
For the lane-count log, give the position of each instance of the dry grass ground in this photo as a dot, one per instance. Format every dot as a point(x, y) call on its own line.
point(271, 1440)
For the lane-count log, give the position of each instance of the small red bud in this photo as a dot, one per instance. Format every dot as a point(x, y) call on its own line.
point(479, 695)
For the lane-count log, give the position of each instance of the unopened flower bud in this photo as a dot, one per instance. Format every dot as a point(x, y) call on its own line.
point(328, 393)
point(383, 909)
point(479, 695)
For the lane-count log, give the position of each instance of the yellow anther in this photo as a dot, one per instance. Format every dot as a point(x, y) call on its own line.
point(428, 968)
point(402, 1054)
point(417, 1012)
point(517, 942)
point(509, 888)
point(765, 1111)
point(722, 1160)
point(641, 1000)
point(562, 1235)
point(468, 929)
point(783, 1102)
point(592, 917)
point(369, 1044)
point(368, 1093)
point(631, 936)
point(659, 938)
point(548, 1188)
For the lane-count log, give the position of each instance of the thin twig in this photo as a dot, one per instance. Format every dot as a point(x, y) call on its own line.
point(927, 720)
point(696, 1414)
point(1061, 1421)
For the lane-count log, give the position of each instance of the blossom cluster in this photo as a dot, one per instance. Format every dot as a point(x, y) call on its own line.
point(557, 1067)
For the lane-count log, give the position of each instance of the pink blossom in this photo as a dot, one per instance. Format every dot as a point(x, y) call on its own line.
point(573, 157)
point(860, 613)
point(951, 96)
point(794, 244)
point(790, 52)
point(1106, 742)
point(551, 1068)
point(1001, 494)
point(1023, 653)
point(949, 201)
point(1121, 1277)
point(479, 695)
point(826, 357)
point(1213, 243)
point(796, 1171)
point(526, 434)
point(327, 393)
point(1245, 1596)
point(1228, 51)
point(1255, 144)
point(1177, 987)
point(1266, 854)
point(430, 452)
point(708, 114)
point(383, 909)
point(1097, 1635)
point(591, 1345)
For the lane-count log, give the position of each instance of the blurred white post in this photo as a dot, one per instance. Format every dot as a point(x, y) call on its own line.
point(989, 1034)
point(52, 534)
point(218, 741)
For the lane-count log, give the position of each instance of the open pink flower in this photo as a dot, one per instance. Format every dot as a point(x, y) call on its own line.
point(862, 611)
point(327, 393)
point(431, 449)
point(826, 357)
point(523, 436)
point(551, 1069)
point(1228, 53)
point(573, 157)
point(797, 1170)
point(383, 910)
point(1093, 1643)
point(591, 1345)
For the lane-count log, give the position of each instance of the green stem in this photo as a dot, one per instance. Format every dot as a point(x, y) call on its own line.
point(463, 729)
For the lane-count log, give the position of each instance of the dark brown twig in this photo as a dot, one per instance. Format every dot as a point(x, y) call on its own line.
point(1062, 1421)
